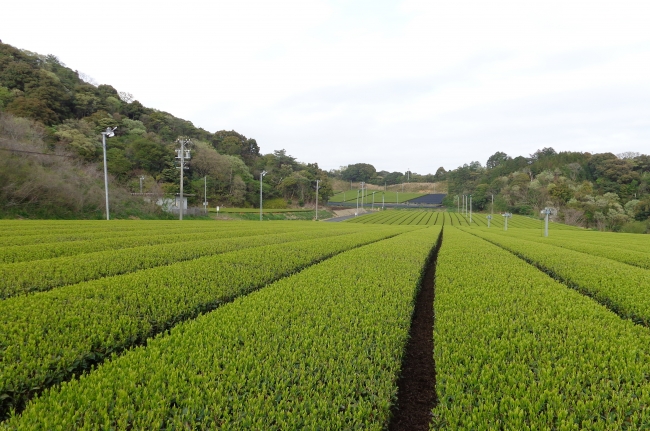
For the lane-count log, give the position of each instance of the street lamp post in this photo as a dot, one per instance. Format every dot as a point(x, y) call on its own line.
point(108, 133)
point(141, 178)
point(262, 174)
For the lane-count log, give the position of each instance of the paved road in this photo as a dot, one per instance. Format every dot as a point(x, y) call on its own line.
point(342, 218)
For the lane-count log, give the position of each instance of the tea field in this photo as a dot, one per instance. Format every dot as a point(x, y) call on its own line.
point(280, 325)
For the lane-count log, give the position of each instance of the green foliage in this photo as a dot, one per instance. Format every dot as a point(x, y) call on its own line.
point(515, 349)
point(326, 352)
point(359, 172)
point(277, 203)
point(87, 322)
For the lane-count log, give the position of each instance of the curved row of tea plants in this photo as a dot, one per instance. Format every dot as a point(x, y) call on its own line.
point(52, 237)
point(618, 249)
point(313, 351)
point(49, 250)
point(515, 349)
point(621, 287)
point(37, 276)
point(46, 337)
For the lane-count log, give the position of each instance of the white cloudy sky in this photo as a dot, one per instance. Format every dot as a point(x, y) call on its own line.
point(399, 84)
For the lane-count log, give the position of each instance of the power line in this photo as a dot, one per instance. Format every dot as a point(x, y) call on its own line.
point(33, 152)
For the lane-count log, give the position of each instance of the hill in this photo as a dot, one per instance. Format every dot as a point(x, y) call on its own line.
point(62, 115)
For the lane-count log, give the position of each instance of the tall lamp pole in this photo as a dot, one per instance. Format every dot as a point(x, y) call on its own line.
point(262, 174)
point(108, 133)
point(141, 178)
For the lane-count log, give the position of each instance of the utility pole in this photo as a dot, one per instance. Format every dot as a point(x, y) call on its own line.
point(408, 176)
point(488, 219)
point(183, 153)
point(397, 198)
point(458, 202)
point(470, 210)
point(382, 200)
point(362, 197)
point(141, 178)
point(205, 194)
point(261, 176)
point(373, 200)
point(317, 182)
point(357, 212)
point(110, 133)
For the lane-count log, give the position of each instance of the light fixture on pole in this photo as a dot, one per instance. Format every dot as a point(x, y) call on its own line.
point(317, 183)
point(108, 133)
point(262, 174)
point(546, 211)
point(182, 154)
point(141, 178)
point(506, 216)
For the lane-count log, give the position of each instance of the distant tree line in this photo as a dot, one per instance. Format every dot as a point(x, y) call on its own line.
point(367, 173)
point(603, 191)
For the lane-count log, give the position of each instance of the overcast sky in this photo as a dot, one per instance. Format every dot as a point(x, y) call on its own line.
point(398, 84)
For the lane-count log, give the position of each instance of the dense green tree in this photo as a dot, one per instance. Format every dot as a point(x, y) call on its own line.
point(496, 159)
point(359, 172)
point(35, 109)
point(149, 155)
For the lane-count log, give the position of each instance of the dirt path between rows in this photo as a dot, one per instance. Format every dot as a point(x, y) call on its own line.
point(416, 394)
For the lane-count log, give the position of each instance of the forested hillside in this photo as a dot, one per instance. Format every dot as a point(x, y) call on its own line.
point(603, 191)
point(48, 108)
